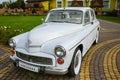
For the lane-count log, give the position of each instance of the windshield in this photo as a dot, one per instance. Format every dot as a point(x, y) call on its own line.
point(69, 16)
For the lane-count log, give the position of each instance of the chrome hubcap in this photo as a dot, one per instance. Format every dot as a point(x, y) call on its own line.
point(77, 62)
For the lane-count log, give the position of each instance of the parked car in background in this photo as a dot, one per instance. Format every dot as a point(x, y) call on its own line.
point(58, 45)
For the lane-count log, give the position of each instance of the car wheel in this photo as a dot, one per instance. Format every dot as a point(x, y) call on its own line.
point(76, 63)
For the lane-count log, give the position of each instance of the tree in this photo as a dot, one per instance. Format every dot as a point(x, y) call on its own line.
point(36, 5)
point(17, 4)
point(1, 6)
point(5, 5)
point(20, 4)
point(13, 5)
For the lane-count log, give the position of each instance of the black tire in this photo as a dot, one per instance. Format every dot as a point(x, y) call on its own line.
point(75, 66)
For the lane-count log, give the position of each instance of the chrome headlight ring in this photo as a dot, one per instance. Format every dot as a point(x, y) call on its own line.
point(12, 43)
point(60, 51)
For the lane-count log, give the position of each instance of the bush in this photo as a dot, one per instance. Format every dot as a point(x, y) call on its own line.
point(6, 32)
point(114, 13)
point(110, 13)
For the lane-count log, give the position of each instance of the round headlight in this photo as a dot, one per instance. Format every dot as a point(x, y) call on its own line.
point(60, 51)
point(12, 43)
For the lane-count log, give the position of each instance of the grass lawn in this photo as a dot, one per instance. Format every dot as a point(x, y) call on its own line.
point(20, 22)
point(13, 25)
point(109, 18)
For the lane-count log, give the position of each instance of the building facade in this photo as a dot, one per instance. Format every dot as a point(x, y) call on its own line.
point(101, 5)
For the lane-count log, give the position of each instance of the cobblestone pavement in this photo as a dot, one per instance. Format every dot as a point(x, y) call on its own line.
point(102, 61)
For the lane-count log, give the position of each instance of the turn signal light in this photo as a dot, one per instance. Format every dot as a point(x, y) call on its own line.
point(60, 61)
point(12, 52)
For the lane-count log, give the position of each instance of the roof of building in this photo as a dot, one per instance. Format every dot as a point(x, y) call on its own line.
point(29, 1)
point(98, 3)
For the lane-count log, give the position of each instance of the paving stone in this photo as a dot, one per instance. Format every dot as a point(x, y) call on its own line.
point(118, 62)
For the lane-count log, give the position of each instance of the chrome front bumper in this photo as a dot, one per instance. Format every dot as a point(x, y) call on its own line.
point(42, 69)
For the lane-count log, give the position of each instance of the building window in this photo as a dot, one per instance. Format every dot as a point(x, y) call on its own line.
point(59, 3)
point(69, 3)
point(106, 3)
point(118, 4)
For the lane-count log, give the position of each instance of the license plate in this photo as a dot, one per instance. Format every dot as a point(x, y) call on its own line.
point(28, 67)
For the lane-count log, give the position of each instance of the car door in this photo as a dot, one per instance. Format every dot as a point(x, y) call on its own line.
point(95, 25)
point(89, 29)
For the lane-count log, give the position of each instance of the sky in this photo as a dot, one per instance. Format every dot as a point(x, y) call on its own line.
point(7, 0)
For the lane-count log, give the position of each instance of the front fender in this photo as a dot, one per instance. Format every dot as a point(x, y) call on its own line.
point(21, 40)
point(67, 42)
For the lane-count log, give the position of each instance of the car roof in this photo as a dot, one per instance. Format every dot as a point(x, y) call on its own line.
point(73, 8)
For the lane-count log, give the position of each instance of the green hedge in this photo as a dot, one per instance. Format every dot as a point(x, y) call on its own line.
point(6, 32)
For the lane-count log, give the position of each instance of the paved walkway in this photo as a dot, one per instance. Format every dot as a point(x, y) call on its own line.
point(102, 61)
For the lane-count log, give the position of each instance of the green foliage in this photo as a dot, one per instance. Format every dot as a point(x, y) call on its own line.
point(6, 32)
point(114, 13)
point(13, 5)
point(36, 5)
point(1, 6)
point(13, 25)
point(20, 4)
point(17, 4)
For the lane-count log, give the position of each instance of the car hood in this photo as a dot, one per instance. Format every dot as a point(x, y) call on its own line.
point(49, 31)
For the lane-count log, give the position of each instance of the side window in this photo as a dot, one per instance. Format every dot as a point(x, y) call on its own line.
point(92, 15)
point(87, 17)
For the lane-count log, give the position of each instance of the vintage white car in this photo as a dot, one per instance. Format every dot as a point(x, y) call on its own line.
point(58, 45)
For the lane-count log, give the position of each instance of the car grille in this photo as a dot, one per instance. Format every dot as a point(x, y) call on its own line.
point(34, 59)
